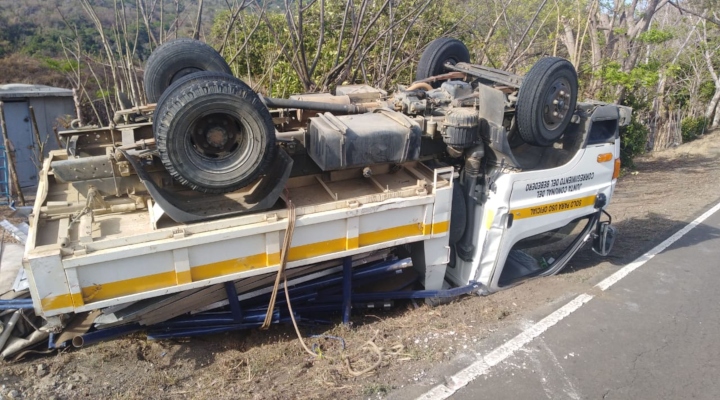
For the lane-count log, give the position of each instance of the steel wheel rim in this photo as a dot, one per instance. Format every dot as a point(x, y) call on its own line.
point(219, 138)
point(556, 103)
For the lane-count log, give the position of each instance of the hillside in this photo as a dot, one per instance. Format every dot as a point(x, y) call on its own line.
point(56, 42)
point(35, 27)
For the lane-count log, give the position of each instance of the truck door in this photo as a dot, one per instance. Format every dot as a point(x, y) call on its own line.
point(550, 208)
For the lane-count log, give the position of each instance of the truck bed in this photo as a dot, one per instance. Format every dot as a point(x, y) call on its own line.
point(80, 261)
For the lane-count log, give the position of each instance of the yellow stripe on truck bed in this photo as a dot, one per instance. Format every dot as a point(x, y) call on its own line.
point(161, 280)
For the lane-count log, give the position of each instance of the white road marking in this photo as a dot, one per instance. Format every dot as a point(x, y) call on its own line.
point(624, 271)
point(500, 354)
point(482, 366)
point(556, 383)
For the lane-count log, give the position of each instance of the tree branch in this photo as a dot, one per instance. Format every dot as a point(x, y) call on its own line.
point(703, 15)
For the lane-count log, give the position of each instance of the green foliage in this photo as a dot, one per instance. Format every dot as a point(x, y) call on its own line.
point(673, 70)
point(706, 91)
point(692, 128)
point(63, 66)
point(384, 57)
point(102, 94)
point(634, 137)
point(643, 76)
point(633, 141)
point(655, 36)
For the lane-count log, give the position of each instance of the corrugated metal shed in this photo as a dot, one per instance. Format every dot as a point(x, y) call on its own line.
point(49, 103)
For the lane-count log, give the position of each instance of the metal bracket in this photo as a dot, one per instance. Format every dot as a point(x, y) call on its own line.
point(156, 212)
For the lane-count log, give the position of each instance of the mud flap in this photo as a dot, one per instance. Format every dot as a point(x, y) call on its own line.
point(183, 208)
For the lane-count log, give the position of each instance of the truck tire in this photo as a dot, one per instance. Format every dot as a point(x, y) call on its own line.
point(440, 51)
point(213, 133)
point(178, 58)
point(546, 101)
point(194, 77)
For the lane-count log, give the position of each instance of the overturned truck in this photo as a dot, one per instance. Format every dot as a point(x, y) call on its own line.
point(475, 179)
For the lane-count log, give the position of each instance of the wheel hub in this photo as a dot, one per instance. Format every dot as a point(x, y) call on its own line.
point(216, 137)
point(557, 104)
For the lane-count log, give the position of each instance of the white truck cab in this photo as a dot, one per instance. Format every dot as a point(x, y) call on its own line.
point(533, 221)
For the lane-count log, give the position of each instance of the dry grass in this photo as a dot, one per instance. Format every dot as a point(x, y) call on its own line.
point(19, 68)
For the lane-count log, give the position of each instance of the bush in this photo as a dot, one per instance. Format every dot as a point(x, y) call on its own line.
point(633, 139)
point(693, 127)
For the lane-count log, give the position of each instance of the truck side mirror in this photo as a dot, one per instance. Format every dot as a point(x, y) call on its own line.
point(625, 114)
point(604, 238)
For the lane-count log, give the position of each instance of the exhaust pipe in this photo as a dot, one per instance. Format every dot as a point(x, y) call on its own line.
point(314, 105)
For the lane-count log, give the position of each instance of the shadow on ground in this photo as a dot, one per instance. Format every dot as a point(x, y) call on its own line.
point(635, 237)
point(690, 163)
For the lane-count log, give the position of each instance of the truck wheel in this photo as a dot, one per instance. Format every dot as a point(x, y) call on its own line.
point(546, 101)
point(437, 54)
point(175, 59)
point(213, 133)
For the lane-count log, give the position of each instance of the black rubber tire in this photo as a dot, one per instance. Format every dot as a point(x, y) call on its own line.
point(440, 51)
point(194, 77)
point(546, 79)
point(186, 109)
point(175, 59)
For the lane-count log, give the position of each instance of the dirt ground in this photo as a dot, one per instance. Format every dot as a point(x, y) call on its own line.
point(399, 347)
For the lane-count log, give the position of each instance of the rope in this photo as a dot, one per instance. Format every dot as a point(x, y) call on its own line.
point(295, 325)
point(283, 262)
point(371, 346)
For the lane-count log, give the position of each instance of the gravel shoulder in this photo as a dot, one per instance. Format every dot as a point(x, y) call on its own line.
point(404, 349)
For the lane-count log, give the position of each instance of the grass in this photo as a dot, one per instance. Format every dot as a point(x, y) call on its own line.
point(379, 389)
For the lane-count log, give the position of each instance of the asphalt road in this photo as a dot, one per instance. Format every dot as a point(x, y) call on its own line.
point(653, 335)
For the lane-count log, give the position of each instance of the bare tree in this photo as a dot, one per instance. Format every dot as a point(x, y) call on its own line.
point(90, 11)
point(198, 21)
point(510, 58)
point(235, 10)
point(147, 16)
point(622, 29)
point(572, 42)
point(660, 132)
point(491, 31)
point(708, 51)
